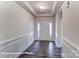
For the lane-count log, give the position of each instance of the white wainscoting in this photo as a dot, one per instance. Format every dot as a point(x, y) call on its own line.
point(69, 49)
point(16, 44)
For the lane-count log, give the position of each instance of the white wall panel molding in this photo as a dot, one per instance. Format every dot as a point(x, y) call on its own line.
point(16, 44)
point(70, 50)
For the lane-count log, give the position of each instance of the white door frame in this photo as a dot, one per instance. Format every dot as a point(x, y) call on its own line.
point(59, 29)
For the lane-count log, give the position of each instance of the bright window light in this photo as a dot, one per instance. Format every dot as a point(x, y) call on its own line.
point(50, 29)
point(38, 29)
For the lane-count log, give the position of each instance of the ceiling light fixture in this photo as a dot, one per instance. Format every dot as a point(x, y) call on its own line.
point(43, 6)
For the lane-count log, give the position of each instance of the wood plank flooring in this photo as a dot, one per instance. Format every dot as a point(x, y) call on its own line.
point(43, 49)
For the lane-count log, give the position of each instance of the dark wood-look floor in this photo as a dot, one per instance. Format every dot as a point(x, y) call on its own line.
point(43, 49)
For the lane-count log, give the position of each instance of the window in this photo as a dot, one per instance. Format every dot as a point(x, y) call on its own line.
point(50, 29)
point(38, 29)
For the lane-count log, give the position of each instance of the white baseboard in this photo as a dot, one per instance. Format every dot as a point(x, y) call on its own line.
point(65, 39)
point(58, 45)
point(64, 55)
point(71, 49)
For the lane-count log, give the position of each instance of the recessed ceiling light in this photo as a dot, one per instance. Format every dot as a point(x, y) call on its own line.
point(42, 6)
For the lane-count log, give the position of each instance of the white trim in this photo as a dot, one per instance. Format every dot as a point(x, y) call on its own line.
point(71, 49)
point(44, 15)
point(64, 55)
point(58, 45)
point(10, 44)
point(22, 49)
point(29, 6)
point(54, 5)
point(60, 8)
point(71, 43)
point(13, 39)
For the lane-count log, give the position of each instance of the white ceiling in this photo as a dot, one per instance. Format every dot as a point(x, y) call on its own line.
point(36, 7)
point(33, 7)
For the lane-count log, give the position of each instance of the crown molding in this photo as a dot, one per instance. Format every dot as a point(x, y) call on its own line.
point(29, 6)
point(54, 6)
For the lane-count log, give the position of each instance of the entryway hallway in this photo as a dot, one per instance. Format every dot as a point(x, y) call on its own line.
point(39, 29)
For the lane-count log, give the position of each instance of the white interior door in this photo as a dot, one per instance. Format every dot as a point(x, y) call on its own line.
point(44, 30)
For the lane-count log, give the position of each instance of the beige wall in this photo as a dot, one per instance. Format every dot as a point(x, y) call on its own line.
point(70, 29)
point(71, 22)
point(14, 21)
